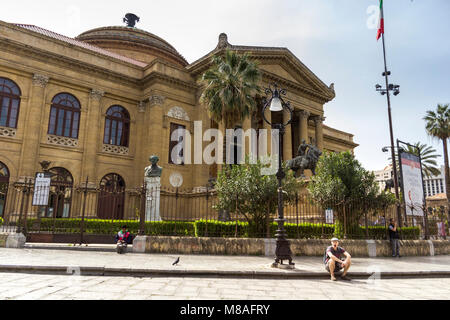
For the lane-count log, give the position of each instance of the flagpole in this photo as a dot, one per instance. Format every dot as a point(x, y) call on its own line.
point(394, 162)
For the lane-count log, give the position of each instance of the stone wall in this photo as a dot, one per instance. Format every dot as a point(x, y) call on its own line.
point(299, 247)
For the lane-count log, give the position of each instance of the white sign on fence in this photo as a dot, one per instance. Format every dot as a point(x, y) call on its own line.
point(329, 216)
point(41, 189)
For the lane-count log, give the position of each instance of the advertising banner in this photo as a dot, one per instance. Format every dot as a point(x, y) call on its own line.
point(412, 183)
point(41, 189)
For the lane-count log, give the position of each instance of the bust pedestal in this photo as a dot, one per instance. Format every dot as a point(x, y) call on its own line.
point(152, 200)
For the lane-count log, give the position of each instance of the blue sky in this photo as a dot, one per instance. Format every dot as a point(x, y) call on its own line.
point(335, 39)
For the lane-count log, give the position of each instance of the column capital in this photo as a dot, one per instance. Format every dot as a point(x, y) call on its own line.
point(304, 114)
point(40, 80)
point(156, 100)
point(319, 119)
point(97, 94)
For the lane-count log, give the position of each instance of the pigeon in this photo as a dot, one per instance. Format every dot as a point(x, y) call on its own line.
point(176, 261)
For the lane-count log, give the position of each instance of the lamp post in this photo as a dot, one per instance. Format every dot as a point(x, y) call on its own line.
point(394, 169)
point(277, 104)
point(385, 91)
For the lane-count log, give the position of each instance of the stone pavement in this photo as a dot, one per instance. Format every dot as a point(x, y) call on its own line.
point(135, 264)
point(20, 286)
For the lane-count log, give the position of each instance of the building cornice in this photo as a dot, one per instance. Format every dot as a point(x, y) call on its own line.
point(351, 144)
point(63, 61)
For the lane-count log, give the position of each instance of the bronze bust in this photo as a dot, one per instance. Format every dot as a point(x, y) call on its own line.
point(153, 170)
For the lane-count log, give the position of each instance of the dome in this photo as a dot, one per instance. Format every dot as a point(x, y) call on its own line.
point(133, 43)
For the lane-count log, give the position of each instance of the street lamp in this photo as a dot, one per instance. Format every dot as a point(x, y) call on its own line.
point(385, 91)
point(396, 179)
point(277, 104)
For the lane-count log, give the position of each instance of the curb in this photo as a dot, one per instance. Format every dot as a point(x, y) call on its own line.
point(97, 248)
point(131, 272)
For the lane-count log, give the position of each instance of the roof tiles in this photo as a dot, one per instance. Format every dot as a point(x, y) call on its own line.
point(81, 44)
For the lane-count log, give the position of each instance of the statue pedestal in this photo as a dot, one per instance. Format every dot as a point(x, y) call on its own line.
point(153, 196)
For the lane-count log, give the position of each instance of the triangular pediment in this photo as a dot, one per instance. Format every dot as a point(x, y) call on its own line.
point(278, 65)
point(283, 64)
point(281, 72)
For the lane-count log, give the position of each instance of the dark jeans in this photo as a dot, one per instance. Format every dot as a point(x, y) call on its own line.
point(395, 245)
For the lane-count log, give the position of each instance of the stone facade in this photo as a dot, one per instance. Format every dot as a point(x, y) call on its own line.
point(156, 86)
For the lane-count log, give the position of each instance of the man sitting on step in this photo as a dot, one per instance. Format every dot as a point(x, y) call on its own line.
point(334, 261)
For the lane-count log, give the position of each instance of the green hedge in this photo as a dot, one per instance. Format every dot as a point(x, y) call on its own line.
point(203, 228)
point(241, 229)
point(380, 232)
point(102, 226)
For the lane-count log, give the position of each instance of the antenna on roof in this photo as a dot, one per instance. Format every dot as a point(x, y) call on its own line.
point(131, 19)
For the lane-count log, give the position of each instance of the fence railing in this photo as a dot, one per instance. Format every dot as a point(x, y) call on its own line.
point(94, 210)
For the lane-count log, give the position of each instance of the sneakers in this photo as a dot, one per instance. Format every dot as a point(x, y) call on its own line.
point(346, 278)
point(333, 278)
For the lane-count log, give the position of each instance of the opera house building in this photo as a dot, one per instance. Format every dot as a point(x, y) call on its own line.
point(98, 105)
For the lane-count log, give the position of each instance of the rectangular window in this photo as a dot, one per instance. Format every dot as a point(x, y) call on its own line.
point(106, 135)
point(67, 123)
point(4, 112)
point(13, 113)
point(75, 125)
point(113, 132)
point(60, 122)
point(176, 136)
point(52, 122)
point(119, 134)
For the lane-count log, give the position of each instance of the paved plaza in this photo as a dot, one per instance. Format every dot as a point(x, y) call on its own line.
point(60, 287)
point(181, 285)
point(196, 262)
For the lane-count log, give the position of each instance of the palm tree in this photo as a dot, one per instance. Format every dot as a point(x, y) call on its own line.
point(438, 126)
point(428, 156)
point(231, 84)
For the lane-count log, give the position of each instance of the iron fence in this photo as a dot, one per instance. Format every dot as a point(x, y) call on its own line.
point(88, 210)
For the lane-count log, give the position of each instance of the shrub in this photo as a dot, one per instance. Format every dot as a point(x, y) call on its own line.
point(381, 233)
point(210, 228)
point(214, 228)
point(103, 226)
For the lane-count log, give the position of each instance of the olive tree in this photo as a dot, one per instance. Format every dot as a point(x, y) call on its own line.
point(244, 190)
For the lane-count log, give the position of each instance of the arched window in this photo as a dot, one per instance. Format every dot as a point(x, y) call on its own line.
point(60, 193)
point(117, 126)
point(64, 116)
point(4, 180)
point(9, 103)
point(111, 199)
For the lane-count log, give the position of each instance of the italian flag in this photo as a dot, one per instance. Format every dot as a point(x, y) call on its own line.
point(381, 22)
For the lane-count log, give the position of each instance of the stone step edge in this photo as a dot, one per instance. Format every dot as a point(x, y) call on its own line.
point(277, 274)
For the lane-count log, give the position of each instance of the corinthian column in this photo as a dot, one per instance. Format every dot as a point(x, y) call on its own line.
point(32, 129)
point(304, 115)
point(265, 145)
point(93, 136)
point(319, 131)
point(287, 138)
